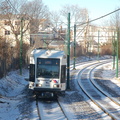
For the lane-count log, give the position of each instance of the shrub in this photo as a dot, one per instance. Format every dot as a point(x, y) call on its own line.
point(106, 49)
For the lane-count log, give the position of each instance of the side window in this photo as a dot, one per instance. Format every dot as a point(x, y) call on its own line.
point(63, 73)
point(32, 73)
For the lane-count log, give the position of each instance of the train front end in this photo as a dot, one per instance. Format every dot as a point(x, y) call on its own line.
point(48, 72)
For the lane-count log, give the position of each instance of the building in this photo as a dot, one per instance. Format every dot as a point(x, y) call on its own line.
point(49, 38)
point(10, 28)
point(89, 36)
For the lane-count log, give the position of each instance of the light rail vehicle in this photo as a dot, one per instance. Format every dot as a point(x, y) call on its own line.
point(47, 72)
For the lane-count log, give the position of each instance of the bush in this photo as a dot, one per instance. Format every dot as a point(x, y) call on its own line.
point(10, 56)
point(79, 51)
point(106, 49)
point(5, 56)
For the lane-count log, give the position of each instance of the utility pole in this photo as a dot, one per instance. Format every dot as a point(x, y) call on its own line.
point(117, 53)
point(68, 53)
point(21, 44)
point(113, 46)
point(74, 47)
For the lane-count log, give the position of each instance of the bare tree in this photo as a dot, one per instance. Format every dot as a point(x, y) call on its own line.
point(55, 19)
point(10, 13)
point(115, 24)
point(115, 20)
point(38, 13)
point(32, 12)
point(78, 15)
point(17, 15)
point(11, 6)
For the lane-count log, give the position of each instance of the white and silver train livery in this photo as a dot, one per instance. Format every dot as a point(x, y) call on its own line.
point(47, 71)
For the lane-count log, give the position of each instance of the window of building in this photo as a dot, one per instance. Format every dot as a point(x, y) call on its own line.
point(17, 22)
point(6, 22)
point(7, 32)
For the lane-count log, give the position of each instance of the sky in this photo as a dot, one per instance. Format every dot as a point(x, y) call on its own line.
point(96, 8)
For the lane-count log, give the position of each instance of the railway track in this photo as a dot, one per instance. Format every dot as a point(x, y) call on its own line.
point(51, 109)
point(102, 100)
point(55, 109)
point(114, 99)
point(47, 109)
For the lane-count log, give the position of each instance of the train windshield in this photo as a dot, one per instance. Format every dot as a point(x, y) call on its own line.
point(48, 68)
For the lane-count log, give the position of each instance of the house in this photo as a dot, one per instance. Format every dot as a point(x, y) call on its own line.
point(49, 37)
point(10, 28)
point(89, 36)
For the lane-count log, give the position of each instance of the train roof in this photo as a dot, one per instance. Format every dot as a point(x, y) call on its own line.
point(45, 53)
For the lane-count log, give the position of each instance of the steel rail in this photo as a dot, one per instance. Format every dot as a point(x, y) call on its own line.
point(95, 98)
point(41, 109)
point(100, 89)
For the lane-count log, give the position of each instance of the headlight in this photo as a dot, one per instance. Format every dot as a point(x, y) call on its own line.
point(38, 85)
point(56, 86)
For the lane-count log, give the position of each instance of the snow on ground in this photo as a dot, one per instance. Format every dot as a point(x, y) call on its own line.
point(106, 77)
point(87, 58)
point(112, 76)
point(16, 102)
point(12, 96)
point(13, 84)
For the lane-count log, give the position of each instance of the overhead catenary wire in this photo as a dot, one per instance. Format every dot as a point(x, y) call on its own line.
point(99, 17)
point(9, 2)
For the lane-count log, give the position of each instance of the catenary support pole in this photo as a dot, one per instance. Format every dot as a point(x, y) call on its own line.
point(113, 43)
point(74, 47)
point(98, 45)
point(21, 45)
point(68, 53)
point(117, 53)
